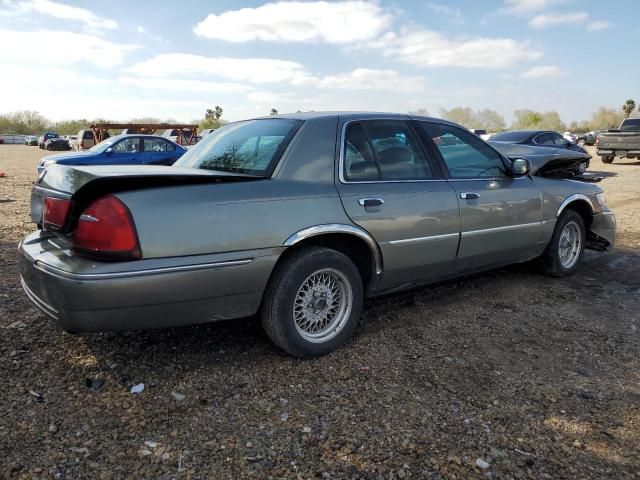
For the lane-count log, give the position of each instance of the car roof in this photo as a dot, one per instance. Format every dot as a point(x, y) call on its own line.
point(143, 135)
point(347, 115)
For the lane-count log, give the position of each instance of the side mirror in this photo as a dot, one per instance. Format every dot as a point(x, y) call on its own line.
point(109, 151)
point(520, 167)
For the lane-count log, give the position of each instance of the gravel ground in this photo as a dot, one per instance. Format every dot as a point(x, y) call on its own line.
point(507, 374)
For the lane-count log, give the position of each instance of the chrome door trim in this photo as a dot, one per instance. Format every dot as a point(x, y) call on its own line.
point(44, 267)
point(573, 198)
point(409, 241)
point(506, 228)
point(339, 228)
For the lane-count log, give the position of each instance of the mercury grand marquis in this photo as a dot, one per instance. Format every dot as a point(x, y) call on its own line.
point(298, 218)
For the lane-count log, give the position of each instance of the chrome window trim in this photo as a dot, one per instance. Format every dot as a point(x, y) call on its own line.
point(339, 228)
point(342, 150)
point(409, 241)
point(44, 267)
point(51, 193)
point(573, 198)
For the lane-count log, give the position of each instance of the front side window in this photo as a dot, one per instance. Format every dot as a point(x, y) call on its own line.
point(545, 139)
point(128, 145)
point(465, 155)
point(252, 147)
point(382, 150)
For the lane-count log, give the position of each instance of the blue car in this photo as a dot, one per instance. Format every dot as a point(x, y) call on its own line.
point(542, 138)
point(121, 150)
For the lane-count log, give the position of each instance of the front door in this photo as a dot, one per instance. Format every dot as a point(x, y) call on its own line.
point(390, 188)
point(501, 215)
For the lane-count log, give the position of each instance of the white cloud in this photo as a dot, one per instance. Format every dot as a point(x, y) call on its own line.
point(181, 85)
point(598, 25)
point(253, 70)
point(76, 47)
point(60, 10)
point(141, 29)
point(426, 48)
point(294, 21)
point(528, 7)
point(555, 18)
point(367, 79)
point(543, 71)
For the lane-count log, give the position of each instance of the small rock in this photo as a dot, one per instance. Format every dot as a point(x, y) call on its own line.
point(178, 396)
point(151, 444)
point(79, 449)
point(284, 417)
point(139, 388)
point(144, 452)
point(585, 394)
point(53, 428)
point(480, 463)
point(306, 429)
point(36, 395)
point(17, 324)
point(577, 444)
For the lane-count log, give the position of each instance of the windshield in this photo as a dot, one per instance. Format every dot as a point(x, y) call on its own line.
point(510, 136)
point(101, 147)
point(252, 147)
point(632, 124)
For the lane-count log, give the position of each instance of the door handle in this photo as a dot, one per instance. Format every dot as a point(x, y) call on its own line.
point(370, 202)
point(469, 195)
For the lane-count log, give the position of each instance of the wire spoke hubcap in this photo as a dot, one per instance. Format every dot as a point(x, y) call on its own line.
point(322, 305)
point(570, 245)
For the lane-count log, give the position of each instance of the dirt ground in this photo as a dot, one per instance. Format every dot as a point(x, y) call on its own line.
point(537, 377)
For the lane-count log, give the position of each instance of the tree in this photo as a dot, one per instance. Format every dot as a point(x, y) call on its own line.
point(487, 119)
point(464, 116)
point(420, 112)
point(605, 118)
point(26, 122)
point(490, 120)
point(529, 119)
point(628, 107)
point(273, 112)
point(213, 114)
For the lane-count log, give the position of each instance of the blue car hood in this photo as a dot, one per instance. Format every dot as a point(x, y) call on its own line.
point(69, 156)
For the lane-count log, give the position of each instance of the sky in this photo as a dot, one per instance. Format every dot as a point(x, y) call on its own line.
point(172, 60)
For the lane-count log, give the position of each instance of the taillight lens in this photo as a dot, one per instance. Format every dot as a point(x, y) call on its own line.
point(106, 230)
point(55, 212)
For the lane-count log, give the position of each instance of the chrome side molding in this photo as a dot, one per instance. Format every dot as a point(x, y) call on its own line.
point(573, 198)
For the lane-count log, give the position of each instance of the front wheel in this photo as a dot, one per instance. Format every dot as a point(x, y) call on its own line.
point(582, 142)
point(313, 302)
point(564, 252)
point(607, 159)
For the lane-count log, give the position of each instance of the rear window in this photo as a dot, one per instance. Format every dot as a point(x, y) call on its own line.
point(252, 147)
point(510, 136)
point(630, 124)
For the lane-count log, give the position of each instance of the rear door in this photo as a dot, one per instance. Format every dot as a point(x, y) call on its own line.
point(390, 188)
point(501, 215)
point(157, 151)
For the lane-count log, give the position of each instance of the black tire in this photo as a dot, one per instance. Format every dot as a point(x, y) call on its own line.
point(286, 282)
point(551, 258)
point(606, 159)
point(582, 142)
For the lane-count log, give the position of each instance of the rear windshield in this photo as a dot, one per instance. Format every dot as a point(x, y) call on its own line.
point(630, 124)
point(510, 136)
point(252, 147)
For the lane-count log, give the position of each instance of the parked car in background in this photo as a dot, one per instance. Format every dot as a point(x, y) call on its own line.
point(621, 142)
point(184, 139)
point(31, 140)
point(543, 138)
point(85, 140)
point(588, 138)
point(298, 217)
point(121, 150)
point(46, 136)
point(570, 137)
point(57, 143)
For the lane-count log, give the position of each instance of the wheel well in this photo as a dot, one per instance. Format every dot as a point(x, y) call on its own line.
point(584, 210)
point(353, 247)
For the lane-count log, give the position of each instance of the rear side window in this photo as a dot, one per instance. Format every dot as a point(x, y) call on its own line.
point(465, 155)
point(252, 147)
point(383, 150)
point(157, 145)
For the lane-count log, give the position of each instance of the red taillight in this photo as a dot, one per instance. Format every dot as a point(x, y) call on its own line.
point(598, 140)
point(55, 212)
point(106, 229)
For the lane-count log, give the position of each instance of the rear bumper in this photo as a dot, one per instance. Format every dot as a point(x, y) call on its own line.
point(87, 296)
point(617, 151)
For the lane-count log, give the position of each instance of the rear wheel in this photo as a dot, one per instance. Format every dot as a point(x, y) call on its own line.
point(313, 302)
point(606, 159)
point(582, 142)
point(564, 252)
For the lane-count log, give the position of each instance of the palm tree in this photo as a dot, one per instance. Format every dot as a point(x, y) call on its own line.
point(273, 112)
point(628, 107)
point(213, 114)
